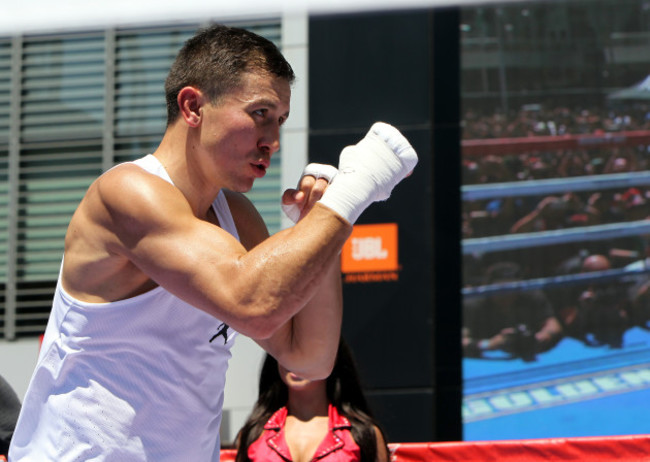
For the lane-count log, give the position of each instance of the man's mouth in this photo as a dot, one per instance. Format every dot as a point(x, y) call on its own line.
point(260, 167)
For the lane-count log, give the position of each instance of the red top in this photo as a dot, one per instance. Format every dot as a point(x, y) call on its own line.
point(337, 446)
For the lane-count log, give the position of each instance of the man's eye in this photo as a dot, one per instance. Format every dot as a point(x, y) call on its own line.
point(260, 112)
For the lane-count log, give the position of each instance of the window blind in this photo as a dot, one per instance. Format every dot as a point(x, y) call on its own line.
point(86, 101)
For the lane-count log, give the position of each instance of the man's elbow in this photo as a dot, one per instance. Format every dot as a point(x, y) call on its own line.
point(260, 323)
point(318, 368)
point(320, 373)
point(258, 330)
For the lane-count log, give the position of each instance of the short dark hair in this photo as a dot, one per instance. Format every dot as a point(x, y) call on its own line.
point(214, 59)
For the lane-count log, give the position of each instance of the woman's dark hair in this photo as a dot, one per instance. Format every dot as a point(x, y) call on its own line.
point(343, 391)
point(214, 60)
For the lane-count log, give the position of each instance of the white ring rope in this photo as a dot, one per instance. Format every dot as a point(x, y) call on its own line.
point(560, 236)
point(555, 186)
point(553, 237)
point(554, 281)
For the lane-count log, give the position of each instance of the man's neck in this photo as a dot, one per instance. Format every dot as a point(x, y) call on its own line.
point(173, 155)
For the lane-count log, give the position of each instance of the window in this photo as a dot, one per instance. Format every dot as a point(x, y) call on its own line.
point(71, 106)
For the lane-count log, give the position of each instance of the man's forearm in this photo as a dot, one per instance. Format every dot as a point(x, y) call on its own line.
point(308, 342)
point(317, 327)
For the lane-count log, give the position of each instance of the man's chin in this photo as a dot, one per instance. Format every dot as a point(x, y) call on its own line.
point(241, 187)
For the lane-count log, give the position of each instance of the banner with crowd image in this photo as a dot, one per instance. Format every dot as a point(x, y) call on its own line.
point(556, 305)
point(555, 229)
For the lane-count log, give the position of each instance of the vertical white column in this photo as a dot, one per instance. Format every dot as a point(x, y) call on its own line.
point(295, 47)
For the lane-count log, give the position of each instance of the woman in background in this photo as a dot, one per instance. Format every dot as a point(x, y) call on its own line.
point(300, 420)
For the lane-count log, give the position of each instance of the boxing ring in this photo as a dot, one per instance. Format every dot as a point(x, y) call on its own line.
point(613, 449)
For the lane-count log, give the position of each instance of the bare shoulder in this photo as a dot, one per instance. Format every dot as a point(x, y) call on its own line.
point(383, 454)
point(129, 188)
point(250, 224)
point(121, 191)
point(120, 207)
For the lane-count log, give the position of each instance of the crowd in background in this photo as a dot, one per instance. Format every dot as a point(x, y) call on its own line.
point(565, 209)
point(595, 313)
point(538, 120)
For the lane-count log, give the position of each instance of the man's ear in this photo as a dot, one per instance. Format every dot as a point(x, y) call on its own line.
point(190, 100)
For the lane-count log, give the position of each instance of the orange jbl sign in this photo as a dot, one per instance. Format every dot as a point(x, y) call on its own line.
point(371, 248)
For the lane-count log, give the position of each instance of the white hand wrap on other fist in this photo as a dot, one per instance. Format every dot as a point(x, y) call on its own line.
point(369, 170)
point(317, 171)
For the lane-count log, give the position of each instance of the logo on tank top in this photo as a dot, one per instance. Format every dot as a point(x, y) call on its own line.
point(221, 330)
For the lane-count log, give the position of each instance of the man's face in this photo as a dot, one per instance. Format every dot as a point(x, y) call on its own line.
point(241, 131)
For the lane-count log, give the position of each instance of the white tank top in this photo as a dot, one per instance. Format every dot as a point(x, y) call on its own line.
point(140, 379)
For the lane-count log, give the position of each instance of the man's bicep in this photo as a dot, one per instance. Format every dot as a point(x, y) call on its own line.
point(188, 255)
point(157, 231)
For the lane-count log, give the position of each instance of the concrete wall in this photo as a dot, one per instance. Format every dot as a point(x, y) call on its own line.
point(17, 361)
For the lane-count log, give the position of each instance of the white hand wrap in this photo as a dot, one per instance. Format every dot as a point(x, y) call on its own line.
point(317, 171)
point(369, 170)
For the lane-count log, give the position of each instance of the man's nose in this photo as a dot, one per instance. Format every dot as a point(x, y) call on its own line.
point(270, 141)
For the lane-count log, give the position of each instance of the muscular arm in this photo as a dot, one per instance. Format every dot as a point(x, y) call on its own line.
point(308, 342)
point(138, 219)
point(133, 230)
